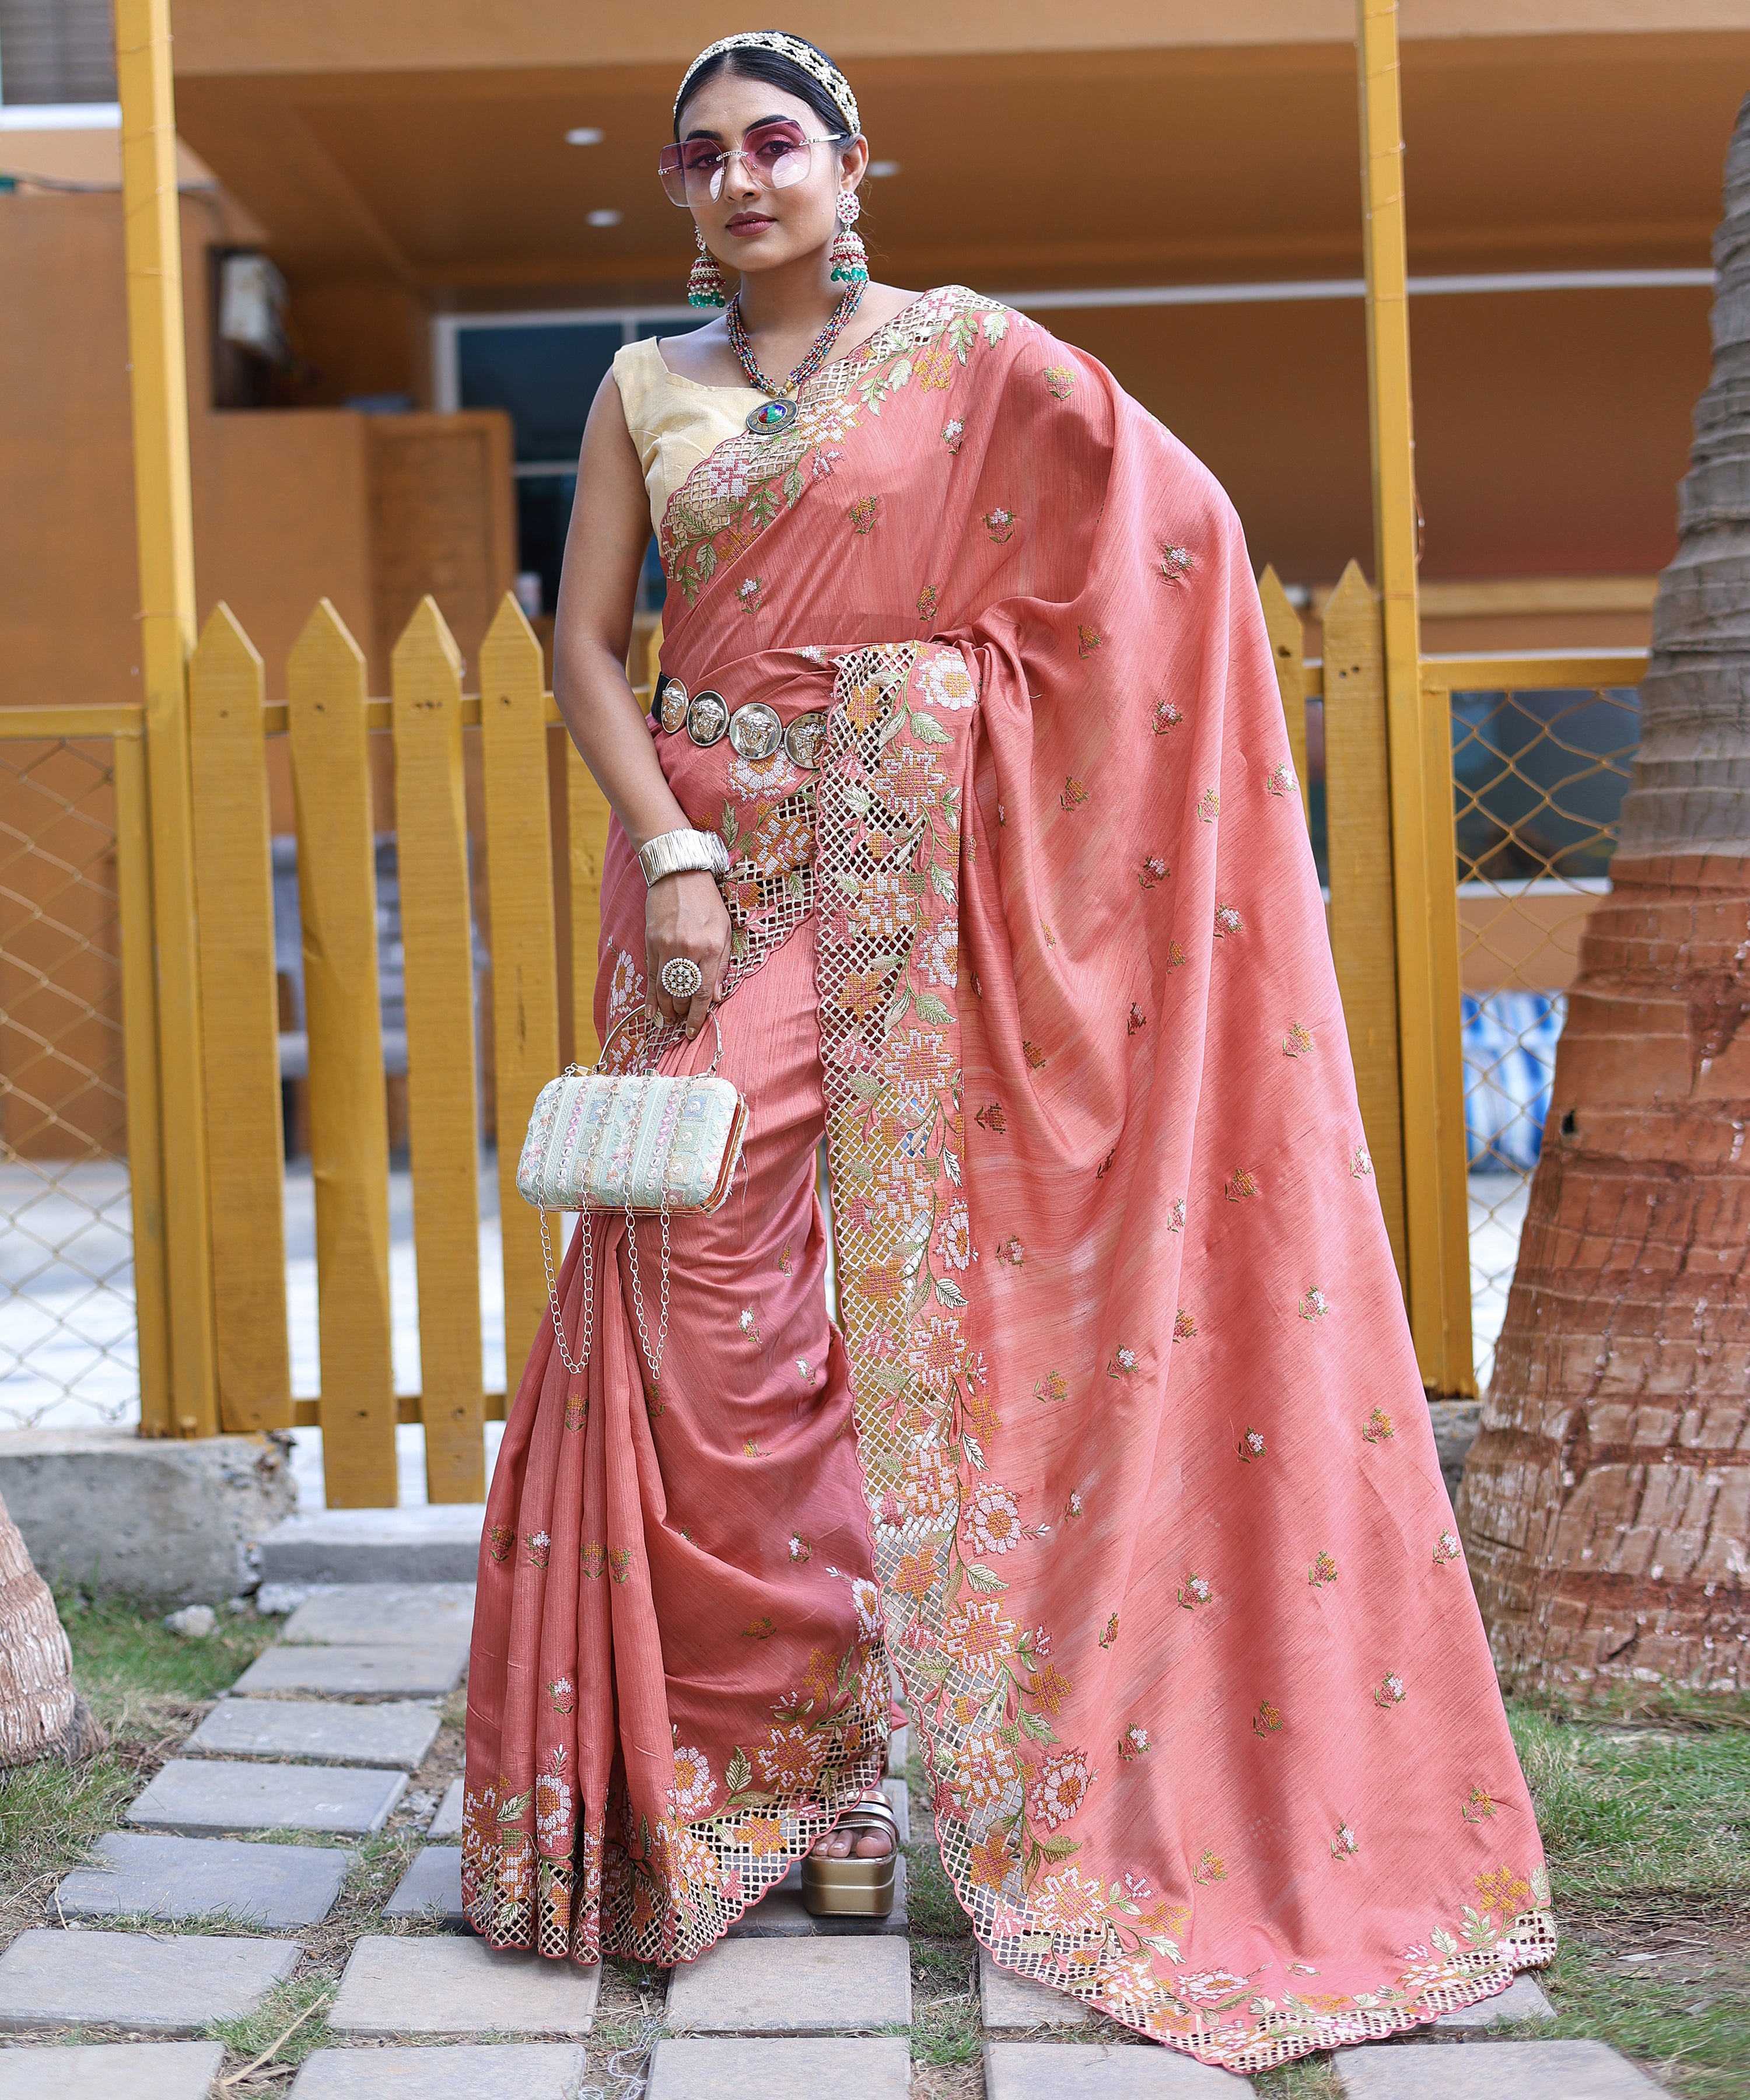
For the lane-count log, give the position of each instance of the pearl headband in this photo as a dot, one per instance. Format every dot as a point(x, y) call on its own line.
point(819, 68)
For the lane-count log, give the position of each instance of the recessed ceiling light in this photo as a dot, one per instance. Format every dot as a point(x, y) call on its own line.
point(882, 169)
point(583, 134)
point(604, 219)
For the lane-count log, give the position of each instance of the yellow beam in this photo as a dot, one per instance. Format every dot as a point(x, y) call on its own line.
point(1357, 792)
point(1423, 852)
point(121, 720)
point(1288, 650)
point(163, 519)
point(139, 1054)
point(1533, 670)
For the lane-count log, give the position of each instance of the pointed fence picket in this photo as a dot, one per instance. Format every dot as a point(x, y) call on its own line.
point(239, 1026)
point(437, 938)
point(349, 1151)
point(525, 991)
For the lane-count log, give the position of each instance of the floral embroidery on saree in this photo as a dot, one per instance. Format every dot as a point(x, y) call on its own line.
point(750, 480)
point(983, 1689)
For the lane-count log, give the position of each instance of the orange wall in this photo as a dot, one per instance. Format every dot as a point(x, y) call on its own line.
point(284, 508)
point(280, 503)
point(1552, 428)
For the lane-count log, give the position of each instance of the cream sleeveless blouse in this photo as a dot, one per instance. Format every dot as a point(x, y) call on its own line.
point(675, 422)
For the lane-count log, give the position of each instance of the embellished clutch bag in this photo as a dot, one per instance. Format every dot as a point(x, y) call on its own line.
point(644, 1143)
point(647, 1145)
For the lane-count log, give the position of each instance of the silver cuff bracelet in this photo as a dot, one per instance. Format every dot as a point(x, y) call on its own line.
point(678, 853)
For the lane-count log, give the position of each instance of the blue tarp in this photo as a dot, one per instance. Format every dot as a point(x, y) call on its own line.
point(1510, 1039)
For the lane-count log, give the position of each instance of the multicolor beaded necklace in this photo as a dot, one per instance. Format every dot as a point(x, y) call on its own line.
point(781, 411)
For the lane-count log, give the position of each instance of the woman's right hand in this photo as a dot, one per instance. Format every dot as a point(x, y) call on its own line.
point(685, 915)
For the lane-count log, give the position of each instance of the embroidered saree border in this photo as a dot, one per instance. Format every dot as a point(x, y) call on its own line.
point(981, 1688)
point(672, 1888)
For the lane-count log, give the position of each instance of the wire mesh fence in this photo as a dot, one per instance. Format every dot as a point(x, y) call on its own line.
point(1539, 775)
point(68, 1354)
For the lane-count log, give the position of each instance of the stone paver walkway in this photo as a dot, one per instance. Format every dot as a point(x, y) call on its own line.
point(136, 1980)
point(1500, 2071)
point(275, 1887)
point(447, 1986)
point(399, 1734)
point(201, 1795)
point(112, 2071)
point(1102, 2070)
point(868, 2067)
point(793, 1986)
point(465, 2071)
point(320, 1735)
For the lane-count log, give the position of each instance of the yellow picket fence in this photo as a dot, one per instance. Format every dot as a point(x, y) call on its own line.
point(329, 722)
point(1409, 1065)
point(541, 827)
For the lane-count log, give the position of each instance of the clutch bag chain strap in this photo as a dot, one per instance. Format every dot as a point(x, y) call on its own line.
point(653, 1357)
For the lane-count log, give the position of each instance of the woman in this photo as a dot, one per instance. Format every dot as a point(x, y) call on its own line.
point(1122, 1443)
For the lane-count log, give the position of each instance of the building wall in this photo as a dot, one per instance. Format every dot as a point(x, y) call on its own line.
point(286, 507)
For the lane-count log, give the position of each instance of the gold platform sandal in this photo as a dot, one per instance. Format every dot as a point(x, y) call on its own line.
point(852, 1887)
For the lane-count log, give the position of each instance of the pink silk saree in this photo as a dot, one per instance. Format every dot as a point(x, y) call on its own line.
point(1125, 1420)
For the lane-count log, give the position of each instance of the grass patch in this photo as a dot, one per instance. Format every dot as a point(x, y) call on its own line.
point(1653, 2018)
point(1310, 2078)
point(121, 1652)
point(944, 2004)
point(284, 2027)
point(147, 1686)
point(1635, 1811)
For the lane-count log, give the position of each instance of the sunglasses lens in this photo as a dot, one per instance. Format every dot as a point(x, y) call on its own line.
point(776, 156)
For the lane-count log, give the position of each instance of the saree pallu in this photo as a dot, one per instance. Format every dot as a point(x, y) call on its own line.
point(1164, 1558)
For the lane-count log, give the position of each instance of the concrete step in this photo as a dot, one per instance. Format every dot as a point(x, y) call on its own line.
point(397, 1734)
point(1499, 2070)
point(432, 1888)
point(793, 1986)
point(438, 1542)
point(409, 1671)
point(1011, 2004)
point(368, 1614)
point(1102, 2070)
point(445, 1826)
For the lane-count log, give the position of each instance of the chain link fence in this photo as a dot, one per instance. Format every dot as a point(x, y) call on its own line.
point(68, 1356)
point(1538, 777)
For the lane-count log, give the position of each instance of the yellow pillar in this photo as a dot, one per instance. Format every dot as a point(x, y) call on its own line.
point(1424, 863)
point(163, 513)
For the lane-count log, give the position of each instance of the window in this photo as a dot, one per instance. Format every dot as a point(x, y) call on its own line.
point(56, 51)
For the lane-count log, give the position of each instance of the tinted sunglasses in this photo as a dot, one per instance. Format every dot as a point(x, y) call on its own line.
point(777, 157)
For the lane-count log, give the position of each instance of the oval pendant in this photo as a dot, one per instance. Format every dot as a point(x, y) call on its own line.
point(771, 415)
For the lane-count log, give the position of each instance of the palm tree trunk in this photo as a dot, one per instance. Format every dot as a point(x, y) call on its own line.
point(38, 1709)
point(1606, 1506)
